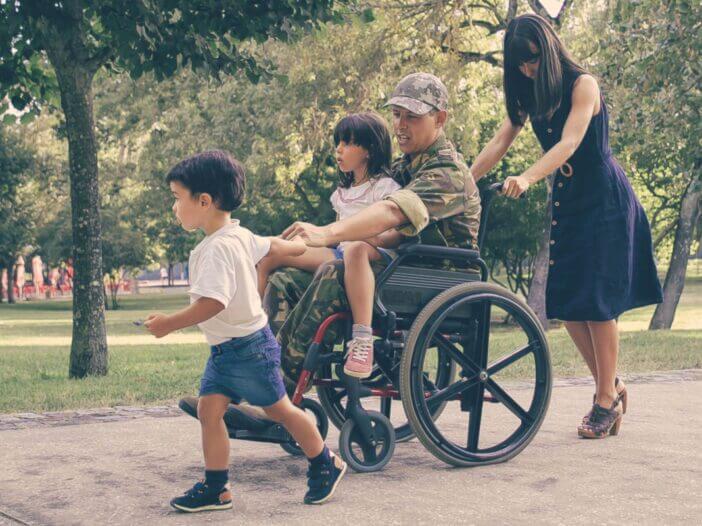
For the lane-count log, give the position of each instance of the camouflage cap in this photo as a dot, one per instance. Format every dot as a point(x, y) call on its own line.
point(420, 93)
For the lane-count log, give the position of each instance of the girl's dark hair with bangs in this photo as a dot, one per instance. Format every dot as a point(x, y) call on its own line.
point(540, 98)
point(370, 131)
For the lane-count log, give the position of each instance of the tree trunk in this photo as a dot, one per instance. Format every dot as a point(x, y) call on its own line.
point(537, 291)
point(675, 277)
point(11, 281)
point(2, 289)
point(89, 344)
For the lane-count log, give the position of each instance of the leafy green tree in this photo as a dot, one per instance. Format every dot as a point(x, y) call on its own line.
point(17, 205)
point(124, 247)
point(55, 48)
point(652, 62)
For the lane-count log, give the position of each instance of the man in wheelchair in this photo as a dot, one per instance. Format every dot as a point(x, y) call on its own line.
point(434, 322)
point(439, 204)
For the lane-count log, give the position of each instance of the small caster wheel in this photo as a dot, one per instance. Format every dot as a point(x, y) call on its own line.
point(364, 457)
point(310, 405)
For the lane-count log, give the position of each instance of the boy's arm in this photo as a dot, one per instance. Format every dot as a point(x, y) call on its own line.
point(201, 310)
point(283, 247)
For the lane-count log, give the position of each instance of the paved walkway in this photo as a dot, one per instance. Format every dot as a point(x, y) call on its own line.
point(124, 468)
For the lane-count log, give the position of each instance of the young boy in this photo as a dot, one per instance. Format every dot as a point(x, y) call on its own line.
point(245, 357)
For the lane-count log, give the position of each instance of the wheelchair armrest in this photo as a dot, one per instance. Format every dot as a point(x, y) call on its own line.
point(433, 251)
point(387, 257)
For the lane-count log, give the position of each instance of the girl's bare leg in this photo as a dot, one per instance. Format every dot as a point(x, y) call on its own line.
point(310, 260)
point(359, 280)
point(605, 340)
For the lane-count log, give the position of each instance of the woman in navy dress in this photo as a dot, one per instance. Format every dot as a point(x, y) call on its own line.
point(601, 258)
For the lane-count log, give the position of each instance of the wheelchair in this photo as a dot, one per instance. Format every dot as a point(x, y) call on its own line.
point(467, 360)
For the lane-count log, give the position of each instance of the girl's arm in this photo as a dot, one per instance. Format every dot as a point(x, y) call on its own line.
point(495, 149)
point(201, 310)
point(586, 96)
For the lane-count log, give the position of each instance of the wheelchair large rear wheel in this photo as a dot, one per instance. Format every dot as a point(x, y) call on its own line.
point(500, 398)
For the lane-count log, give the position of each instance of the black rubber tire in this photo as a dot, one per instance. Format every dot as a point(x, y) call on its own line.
point(385, 435)
point(429, 318)
point(322, 425)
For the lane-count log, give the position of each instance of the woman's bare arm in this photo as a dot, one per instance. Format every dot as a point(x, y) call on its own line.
point(495, 149)
point(586, 97)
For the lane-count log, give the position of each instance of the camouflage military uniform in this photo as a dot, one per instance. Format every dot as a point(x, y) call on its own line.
point(442, 205)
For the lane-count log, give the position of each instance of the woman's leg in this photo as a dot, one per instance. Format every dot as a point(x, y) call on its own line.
point(310, 260)
point(580, 334)
point(605, 340)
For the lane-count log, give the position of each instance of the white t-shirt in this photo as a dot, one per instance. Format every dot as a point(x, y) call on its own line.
point(349, 201)
point(223, 267)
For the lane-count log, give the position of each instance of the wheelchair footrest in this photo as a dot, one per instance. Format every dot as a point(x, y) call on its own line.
point(247, 418)
point(244, 422)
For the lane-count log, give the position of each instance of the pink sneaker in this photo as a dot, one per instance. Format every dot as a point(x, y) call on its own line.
point(359, 362)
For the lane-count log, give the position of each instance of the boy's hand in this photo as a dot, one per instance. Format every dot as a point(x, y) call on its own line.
point(158, 324)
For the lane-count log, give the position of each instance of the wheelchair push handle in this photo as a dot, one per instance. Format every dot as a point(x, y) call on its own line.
point(486, 197)
point(496, 188)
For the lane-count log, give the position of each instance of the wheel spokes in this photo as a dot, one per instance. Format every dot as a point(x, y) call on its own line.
point(451, 391)
point(508, 360)
point(464, 361)
point(509, 402)
point(474, 420)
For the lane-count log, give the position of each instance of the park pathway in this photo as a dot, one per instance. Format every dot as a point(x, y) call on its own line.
point(120, 466)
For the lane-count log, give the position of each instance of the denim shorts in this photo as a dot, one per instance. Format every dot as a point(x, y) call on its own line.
point(338, 252)
point(246, 368)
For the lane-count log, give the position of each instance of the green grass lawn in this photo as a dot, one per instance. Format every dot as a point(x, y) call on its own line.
point(35, 345)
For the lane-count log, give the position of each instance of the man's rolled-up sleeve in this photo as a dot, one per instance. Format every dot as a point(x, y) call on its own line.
point(414, 209)
point(432, 196)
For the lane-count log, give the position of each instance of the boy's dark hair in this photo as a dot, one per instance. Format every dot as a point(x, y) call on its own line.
point(213, 172)
point(370, 131)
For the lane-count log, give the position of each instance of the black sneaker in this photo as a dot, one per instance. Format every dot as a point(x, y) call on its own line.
point(201, 498)
point(323, 480)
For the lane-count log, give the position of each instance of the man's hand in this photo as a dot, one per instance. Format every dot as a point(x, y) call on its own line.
point(515, 186)
point(158, 324)
point(312, 235)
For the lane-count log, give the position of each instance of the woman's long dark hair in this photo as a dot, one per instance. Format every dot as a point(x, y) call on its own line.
point(370, 131)
point(539, 98)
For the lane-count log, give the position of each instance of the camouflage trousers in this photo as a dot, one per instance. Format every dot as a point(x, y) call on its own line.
point(297, 303)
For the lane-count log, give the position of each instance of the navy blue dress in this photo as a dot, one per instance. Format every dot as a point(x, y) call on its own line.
point(601, 255)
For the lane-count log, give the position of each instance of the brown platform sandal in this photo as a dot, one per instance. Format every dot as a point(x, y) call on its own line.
point(621, 395)
point(603, 422)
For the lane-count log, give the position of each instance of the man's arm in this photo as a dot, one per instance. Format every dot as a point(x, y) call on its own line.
point(201, 310)
point(369, 222)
